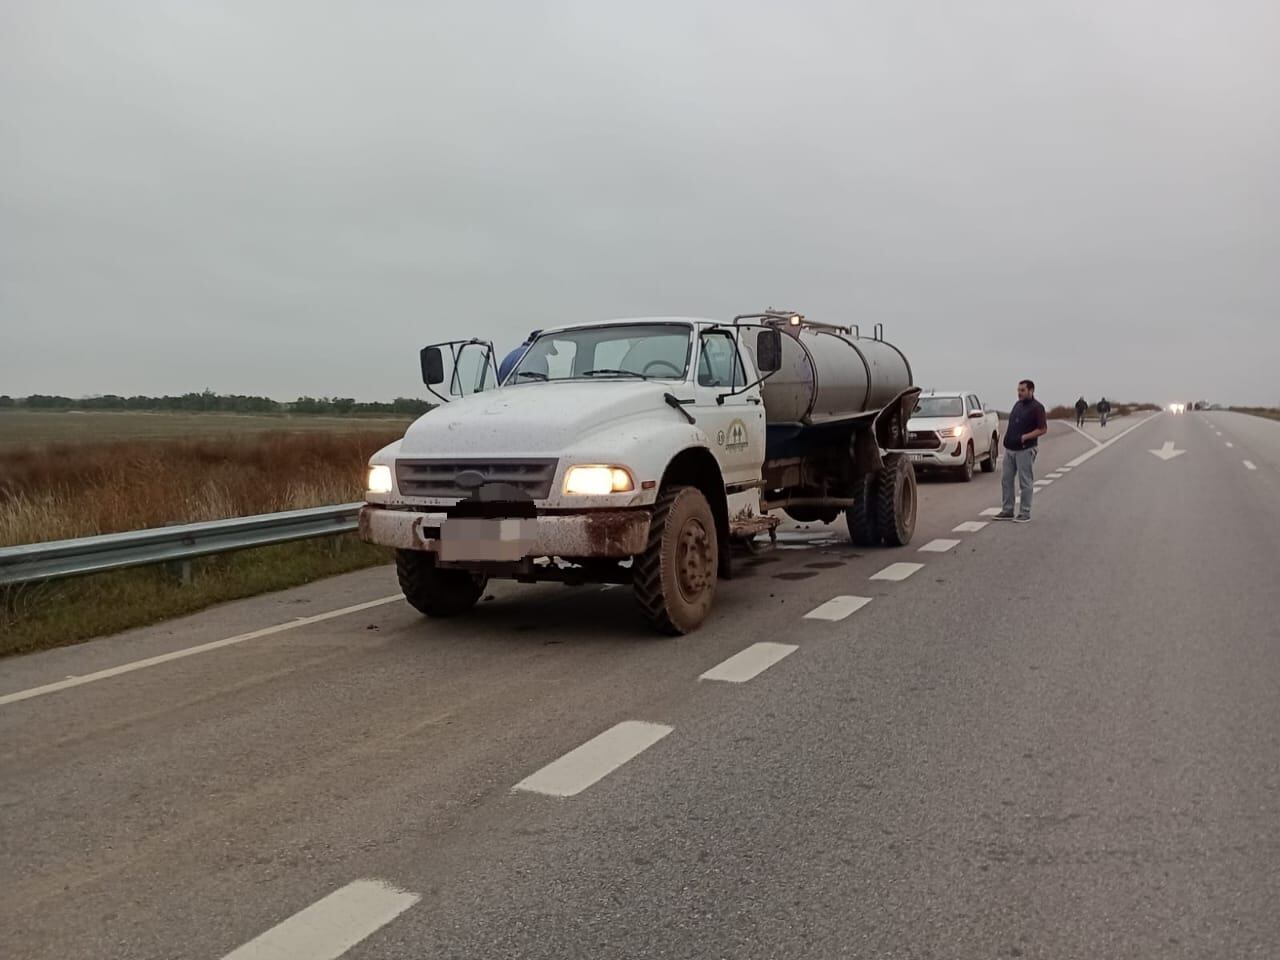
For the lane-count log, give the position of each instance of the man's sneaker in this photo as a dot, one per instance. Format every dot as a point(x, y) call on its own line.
point(1021, 519)
point(1003, 516)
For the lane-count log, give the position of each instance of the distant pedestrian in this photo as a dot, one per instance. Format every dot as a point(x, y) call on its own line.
point(1082, 407)
point(1027, 424)
point(1104, 410)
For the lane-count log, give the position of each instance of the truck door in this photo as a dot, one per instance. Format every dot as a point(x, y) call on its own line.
point(734, 423)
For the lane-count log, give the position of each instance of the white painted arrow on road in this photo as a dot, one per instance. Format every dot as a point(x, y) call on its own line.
point(1167, 452)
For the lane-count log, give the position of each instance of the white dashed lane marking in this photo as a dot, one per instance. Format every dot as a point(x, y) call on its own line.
point(990, 512)
point(331, 926)
point(594, 760)
point(973, 526)
point(1250, 465)
point(745, 664)
point(1043, 483)
point(938, 546)
point(837, 608)
point(1230, 444)
point(1055, 476)
point(897, 571)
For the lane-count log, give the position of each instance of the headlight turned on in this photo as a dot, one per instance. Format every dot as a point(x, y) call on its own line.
point(597, 481)
point(379, 479)
point(951, 431)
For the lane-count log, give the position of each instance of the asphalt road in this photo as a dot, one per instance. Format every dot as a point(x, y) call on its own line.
point(1059, 739)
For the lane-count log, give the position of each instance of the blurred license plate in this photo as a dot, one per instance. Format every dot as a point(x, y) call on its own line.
point(915, 456)
point(471, 538)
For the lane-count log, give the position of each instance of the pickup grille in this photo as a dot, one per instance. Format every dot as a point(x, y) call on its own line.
point(439, 478)
point(923, 440)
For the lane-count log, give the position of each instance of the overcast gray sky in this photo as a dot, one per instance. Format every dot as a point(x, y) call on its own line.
point(292, 197)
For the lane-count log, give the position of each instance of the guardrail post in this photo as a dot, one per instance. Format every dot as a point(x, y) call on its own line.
point(179, 569)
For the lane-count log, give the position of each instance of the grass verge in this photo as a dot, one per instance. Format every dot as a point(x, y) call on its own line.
point(59, 613)
point(1270, 413)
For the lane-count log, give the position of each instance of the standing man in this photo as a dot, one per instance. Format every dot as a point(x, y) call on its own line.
point(1104, 410)
point(1027, 424)
point(1082, 407)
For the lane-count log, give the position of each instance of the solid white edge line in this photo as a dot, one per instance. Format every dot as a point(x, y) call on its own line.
point(940, 545)
point(1249, 465)
point(332, 925)
point(897, 571)
point(1090, 454)
point(70, 682)
point(972, 526)
point(749, 663)
point(1092, 440)
point(594, 760)
point(837, 608)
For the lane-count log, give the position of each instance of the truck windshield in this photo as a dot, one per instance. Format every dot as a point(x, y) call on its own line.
point(658, 351)
point(939, 407)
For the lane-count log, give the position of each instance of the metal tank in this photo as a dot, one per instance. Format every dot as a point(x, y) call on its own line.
point(831, 373)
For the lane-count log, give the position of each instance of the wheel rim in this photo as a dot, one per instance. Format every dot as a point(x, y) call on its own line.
point(693, 560)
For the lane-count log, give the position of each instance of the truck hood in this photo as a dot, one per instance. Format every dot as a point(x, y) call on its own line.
point(533, 419)
point(934, 423)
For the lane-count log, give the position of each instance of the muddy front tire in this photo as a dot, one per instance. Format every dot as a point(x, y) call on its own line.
point(675, 577)
point(437, 591)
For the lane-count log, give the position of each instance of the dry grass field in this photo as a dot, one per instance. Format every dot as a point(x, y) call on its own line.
point(58, 487)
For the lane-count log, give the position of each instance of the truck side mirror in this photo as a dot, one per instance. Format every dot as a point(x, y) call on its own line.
point(432, 366)
point(769, 351)
point(976, 414)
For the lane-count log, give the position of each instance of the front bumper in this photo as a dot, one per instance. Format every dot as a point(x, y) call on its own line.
point(950, 455)
point(596, 533)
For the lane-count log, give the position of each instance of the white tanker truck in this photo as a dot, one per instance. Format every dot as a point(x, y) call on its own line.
point(641, 452)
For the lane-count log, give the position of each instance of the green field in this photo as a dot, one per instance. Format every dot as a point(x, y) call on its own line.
point(26, 428)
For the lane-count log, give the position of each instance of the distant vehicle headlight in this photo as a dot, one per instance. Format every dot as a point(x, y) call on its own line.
point(596, 480)
point(379, 479)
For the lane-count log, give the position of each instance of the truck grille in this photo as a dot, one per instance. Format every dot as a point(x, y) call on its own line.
point(923, 440)
point(439, 478)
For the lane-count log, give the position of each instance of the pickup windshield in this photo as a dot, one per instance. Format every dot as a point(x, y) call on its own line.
point(658, 351)
point(939, 407)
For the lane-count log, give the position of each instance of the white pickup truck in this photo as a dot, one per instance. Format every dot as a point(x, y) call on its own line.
point(952, 430)
point(638, 452)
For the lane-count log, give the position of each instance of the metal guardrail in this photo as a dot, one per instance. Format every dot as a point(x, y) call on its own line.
point(112, 551)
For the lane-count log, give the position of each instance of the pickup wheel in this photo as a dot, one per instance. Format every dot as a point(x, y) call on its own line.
point(993, 455)
point(437, 591)
point(675, 577)
point(964, 473)
point(863, 517)
point(896, 500)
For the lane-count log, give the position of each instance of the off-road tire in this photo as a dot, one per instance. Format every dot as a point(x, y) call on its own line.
point(437, 591)
point(675, 577)
point(993, 455)
point(863, 517)
point(964, 473)
point(896, 499)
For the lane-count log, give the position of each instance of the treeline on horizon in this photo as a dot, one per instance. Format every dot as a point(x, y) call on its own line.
point(207, 401)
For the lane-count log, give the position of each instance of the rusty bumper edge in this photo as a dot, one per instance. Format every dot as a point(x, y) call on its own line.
point(599, 533)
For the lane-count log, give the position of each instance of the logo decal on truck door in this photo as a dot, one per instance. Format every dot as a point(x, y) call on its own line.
point(737, 438)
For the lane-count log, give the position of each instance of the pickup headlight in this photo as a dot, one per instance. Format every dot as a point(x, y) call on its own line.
point(379, 479)
point(951, 431)
point(597, 481)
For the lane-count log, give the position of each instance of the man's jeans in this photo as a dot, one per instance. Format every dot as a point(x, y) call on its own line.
point(1019, 463)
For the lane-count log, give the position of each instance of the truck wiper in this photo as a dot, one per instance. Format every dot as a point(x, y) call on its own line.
point(614, 373)
point(532, 375)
